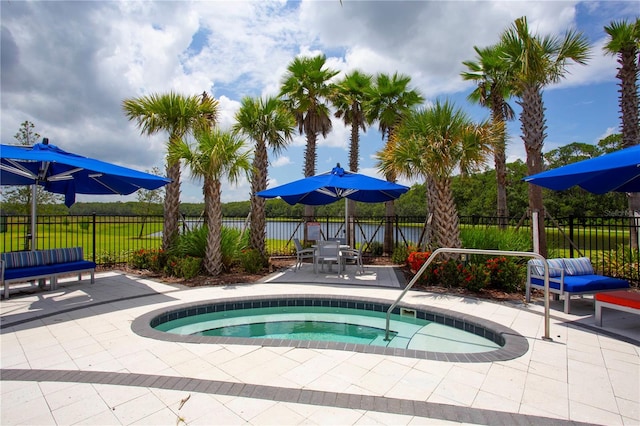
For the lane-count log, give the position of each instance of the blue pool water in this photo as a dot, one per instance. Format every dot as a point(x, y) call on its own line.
point(321, 323)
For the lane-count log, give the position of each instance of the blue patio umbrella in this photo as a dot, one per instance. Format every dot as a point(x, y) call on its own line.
point(69, 174)
point(618, 171)
point(335, 185)
point(62, 172)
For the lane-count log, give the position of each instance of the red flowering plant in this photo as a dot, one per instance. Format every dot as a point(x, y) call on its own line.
point(505, 274)
point(150, 259)
point(475, 277)
point(416, 259)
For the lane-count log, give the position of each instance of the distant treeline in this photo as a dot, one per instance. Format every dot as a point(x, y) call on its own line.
point(474, 195)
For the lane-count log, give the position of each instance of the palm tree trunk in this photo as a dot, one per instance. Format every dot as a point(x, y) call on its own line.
point(445, 215)
point(354, 153)
point(171, 206)
point(213, 213)
point(258, 183)
point(501, 181)
point(627, 75)
point(500, 161)
point(390, 214)
point(310, 157)
point(533, 129)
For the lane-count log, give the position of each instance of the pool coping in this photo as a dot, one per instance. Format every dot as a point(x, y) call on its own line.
point(513, 344)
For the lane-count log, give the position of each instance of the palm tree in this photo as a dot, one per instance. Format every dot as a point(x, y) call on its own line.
point(217, 155)
point(179, 116)
point(269, 124)
point(435, 143)
point(535, 62)
point(625, 43)
point(351, 93)
point(305, 91)
point(391, 100)
point(490, 73)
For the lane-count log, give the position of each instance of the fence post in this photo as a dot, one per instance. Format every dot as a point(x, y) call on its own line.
point(571, 235)
point(94, 237)
point(395, 240)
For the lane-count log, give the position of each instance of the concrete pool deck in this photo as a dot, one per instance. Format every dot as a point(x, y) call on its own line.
point(70, 357)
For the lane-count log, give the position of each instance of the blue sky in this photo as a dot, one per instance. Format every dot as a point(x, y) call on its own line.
point(67, 66)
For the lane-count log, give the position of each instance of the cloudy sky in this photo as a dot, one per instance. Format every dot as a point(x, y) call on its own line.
point(68, 65)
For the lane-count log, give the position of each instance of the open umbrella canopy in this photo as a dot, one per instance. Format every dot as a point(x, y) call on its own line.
point(332, 186)
point(65, 173)
point(618, 171)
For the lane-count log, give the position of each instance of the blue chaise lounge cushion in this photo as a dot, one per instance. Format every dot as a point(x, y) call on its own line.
point(585, 283)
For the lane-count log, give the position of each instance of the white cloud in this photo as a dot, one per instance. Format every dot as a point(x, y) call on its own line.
point(67, 66)
point(281, 161)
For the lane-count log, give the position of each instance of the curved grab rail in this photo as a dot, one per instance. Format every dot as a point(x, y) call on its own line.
point(479, 251)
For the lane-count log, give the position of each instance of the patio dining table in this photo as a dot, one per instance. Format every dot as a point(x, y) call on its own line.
point(318, 256)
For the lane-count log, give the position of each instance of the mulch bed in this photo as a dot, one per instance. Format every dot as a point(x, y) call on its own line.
point(238, 276)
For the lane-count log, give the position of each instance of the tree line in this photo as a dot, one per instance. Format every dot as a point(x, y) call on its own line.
point(474, 195)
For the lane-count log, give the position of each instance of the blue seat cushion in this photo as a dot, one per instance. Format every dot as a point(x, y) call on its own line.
point(585, 283)
point(10, 274)
point(73, 266)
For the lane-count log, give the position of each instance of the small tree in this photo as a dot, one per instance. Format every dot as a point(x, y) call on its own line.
point(21, 195)
point(149, 200)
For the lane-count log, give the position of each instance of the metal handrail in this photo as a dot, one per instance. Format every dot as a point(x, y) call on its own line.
point(479, 251)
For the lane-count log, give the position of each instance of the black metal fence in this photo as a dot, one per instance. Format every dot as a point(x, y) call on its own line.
point(610, 242)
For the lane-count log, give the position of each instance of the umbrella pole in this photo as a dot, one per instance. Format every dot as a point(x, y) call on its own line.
point(346, 221)
point(34, 188)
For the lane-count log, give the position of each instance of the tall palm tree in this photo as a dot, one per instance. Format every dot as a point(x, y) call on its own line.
point(305, 91)
point(534, 62)
point(217, 155)
point(435, 143)
point(391, 100)
point(270, 125)
point(179, 116)
point(490, 74)
point(349, 97)
point(624, 41)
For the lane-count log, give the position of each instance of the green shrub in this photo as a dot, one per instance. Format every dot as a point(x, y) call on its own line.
point(400, 255)
point(496, 239)
point(622, 262)
point(376, 248)
point(194, 243)
point(183, 267)
point(251, 261)
point(106, 258)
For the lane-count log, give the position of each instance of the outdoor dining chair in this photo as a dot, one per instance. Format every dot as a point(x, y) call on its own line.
point(302, 254)
point(327, 252)
point(351, 255)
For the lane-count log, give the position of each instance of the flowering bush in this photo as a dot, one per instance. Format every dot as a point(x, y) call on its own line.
point(417, 258)
point(505, 274)
point(151, 259)
point(475, 277)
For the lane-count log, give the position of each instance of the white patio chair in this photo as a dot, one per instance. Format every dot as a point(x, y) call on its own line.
point(351, 255)
point(302, 254)
point(327, 252)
